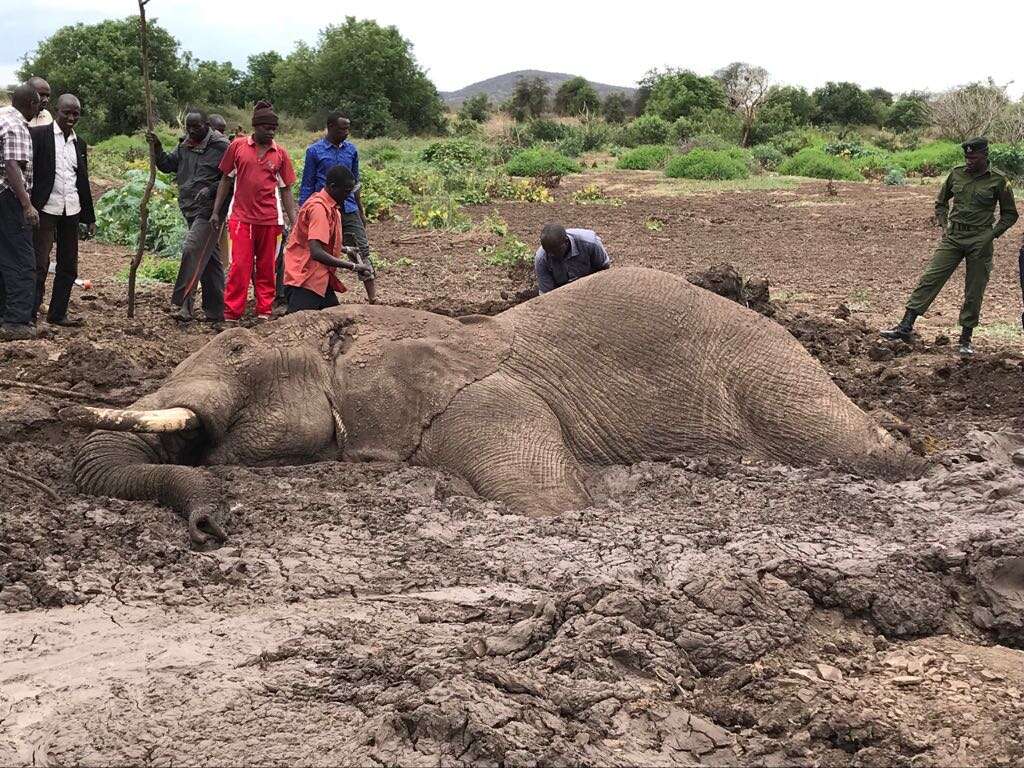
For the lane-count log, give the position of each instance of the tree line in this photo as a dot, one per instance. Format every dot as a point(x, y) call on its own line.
point(369, 71)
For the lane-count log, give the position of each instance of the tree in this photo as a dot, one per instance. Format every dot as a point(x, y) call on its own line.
point(258, 81)
point(746, 87)
point(216, 83)
point(367, 71)
point(909, 112)
point(476, 108)
point(616, 107)
point(679, 93)
point(576, 96)
point(529, 99)
point(100, 64)
point(970, 110)
point(843, 104)
point(785, 107)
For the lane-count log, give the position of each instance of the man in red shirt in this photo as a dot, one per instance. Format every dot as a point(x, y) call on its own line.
point(310, 258)
point(262, 175)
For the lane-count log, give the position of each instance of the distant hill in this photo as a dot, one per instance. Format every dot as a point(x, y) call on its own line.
point(500, 88)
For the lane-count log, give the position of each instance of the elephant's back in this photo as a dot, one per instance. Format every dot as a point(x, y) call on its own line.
point(639, 363)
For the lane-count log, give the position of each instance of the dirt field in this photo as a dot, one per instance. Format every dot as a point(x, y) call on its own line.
point(702, 612)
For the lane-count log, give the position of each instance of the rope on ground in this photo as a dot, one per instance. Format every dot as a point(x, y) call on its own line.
point(30, 481)
point(65, 393)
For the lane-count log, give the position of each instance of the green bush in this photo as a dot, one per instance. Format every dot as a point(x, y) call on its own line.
point(706, 164)
point(1008, 158)
point(510, 253)
point(451, 154)
point(816, 164)
point(543, 129)
point(381, 192)
point(767, 156)
point(647, 129)
point(540, 161)
point(792, 141)
point(933, 159)
point(875, 165)
point(723, 123)
point(117, 215)
point(571, 145)
point(895, 177)
point(380, 153)
point(440, 213)
point(645, 158)
point(152, 269)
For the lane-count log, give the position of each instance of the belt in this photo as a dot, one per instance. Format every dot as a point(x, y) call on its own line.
point(967, 227)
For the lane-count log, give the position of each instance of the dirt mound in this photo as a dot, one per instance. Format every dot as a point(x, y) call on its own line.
point(725, 280)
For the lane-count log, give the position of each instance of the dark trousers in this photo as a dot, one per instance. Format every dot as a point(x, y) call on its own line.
point(189, 277)
point(301, 299)
point(17, 263)
point(63, 230)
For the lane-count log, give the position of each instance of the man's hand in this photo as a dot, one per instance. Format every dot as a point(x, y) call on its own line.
point(153, 140)
point(203, 194)
point(90, 230)
point(363, 270)
point(215, 220)
point(31, 216)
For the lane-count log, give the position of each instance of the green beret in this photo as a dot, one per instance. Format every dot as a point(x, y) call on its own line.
point(979, 144)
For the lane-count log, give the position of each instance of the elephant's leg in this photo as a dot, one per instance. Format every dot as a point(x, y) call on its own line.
point(507, 443)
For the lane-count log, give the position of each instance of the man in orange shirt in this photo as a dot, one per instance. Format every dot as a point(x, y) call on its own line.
point(310, 258)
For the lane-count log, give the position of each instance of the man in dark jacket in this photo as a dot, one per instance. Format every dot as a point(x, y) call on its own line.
point(195, 161)
point(566, 255)
point(61, 195)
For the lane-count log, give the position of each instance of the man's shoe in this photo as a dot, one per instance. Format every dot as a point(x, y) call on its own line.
point(17, 332)
point(964, 349)
point(904, 330)
point(68, 321)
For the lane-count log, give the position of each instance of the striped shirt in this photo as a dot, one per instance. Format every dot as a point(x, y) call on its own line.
point(15, 144)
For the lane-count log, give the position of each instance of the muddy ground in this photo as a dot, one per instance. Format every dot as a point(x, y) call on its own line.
point(702, 612)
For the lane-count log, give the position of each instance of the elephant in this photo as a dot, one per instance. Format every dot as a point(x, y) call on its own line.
point(626, 365)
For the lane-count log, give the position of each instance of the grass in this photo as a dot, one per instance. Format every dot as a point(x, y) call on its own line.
point(997, 331)
point(153, 270)
point(671, 187)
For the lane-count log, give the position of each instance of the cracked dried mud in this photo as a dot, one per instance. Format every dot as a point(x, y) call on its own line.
point(700, 613)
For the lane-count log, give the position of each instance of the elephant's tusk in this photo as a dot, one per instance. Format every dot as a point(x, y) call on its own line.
point(120, 420)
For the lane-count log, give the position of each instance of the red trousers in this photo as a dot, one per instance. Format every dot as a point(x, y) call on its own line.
point(251, 243)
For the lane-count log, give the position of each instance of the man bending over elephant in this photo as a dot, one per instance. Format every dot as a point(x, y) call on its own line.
point(310, 258)
point(566, 255)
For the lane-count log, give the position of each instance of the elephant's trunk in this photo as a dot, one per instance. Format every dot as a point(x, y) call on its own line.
point(128, 466)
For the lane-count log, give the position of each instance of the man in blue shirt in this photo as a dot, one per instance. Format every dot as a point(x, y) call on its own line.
point(566, 255)
point(335, 149)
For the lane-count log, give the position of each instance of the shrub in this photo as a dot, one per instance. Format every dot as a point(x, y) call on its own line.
point(476, 108)
point(594, 195)
point(847, 149)
point(502, 187)
point(546, 130)
point(875, 165)
point(792, 141)
point(930, 160)
point(647, 129)
point(895, 177)
point(381, 192)
point(720, 122)
point(117, 215)
point(1008, 158)
point(767, 156)
point(511, 252)
point(571, 145)
point(645, 158)
point(380, 153)
point(540, 161)
point(152, 269)
point(706, 164)
point(816, 164)
point(457, 153)
point(440, 213)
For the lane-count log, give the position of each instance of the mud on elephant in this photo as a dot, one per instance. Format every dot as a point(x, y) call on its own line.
point(627, 365)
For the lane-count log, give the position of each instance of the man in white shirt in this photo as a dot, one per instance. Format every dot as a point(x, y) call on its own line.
point(43, 89)
point(63, 199)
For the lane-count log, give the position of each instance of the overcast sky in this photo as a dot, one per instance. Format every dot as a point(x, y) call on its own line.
point(895, 45)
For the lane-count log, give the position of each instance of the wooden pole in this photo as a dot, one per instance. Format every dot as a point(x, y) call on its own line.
point(144, 205)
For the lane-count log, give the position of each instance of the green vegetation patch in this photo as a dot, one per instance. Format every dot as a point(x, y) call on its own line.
point(540, 161)
point(648, 157)
point(817, 164)
point(707, 164)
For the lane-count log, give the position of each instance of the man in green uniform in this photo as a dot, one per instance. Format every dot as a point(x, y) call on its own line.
point(967, 234)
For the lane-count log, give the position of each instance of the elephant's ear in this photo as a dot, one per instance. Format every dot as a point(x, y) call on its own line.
point(396, 377)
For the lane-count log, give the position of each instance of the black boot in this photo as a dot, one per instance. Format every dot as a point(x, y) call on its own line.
point(964, 347)
point(904, 330)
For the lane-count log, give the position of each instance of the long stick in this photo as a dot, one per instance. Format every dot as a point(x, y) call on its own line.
point(144, 205)
point(67, 394)
point(30, 481)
